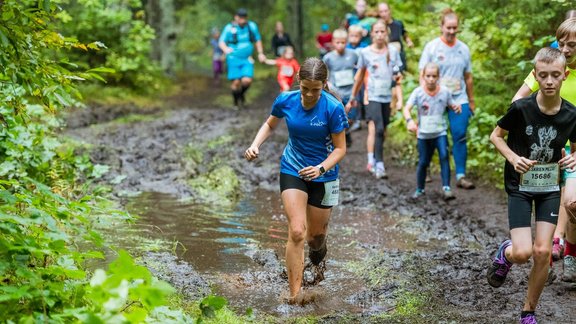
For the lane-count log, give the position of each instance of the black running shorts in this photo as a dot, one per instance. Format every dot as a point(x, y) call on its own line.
point(315, 190)
point(546, 206)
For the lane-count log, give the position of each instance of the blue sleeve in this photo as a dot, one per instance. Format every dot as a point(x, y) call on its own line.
point(278, 106)
point(338, 120)
point(255, 30)
point(225, 34)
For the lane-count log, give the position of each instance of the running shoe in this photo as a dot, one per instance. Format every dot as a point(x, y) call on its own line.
point(528, 319)
point(418, 193)
point(316, 256)
point(356, 125)
point(465, 183)
point(447, 194)
point(370, 168)
point(498, 271)
point(569, 274)
point(381, 173)
point(557, 249)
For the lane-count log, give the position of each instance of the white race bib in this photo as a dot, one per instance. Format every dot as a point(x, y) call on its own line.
point(453, 84)
point(343, 78)
point(287, 70)
point(331, 193)
point(432, 124)
point(541, 178)
point(382, 87)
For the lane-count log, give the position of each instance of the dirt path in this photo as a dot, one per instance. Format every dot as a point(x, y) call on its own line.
point(147, 154)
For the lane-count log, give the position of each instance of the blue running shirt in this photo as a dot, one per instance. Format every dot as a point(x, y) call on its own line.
point(309, 140)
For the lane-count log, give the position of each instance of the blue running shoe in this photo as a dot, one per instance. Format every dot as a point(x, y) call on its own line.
point(498, 271)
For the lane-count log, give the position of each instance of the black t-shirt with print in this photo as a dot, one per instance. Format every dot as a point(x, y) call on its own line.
point(535, 135)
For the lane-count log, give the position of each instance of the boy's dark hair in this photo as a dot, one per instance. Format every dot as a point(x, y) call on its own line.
point(549, 55)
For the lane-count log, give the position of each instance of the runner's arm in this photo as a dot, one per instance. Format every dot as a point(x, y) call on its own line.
point(260, 49)
point(520, 163)
point(265, 131)
point(523, 92)
point(358, 81)
point(470, 90)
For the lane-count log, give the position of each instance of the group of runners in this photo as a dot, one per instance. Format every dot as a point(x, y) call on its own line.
point(361, 74)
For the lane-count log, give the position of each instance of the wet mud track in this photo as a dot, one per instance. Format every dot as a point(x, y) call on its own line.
point(437, 273)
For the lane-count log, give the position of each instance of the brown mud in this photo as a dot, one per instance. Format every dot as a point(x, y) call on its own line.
point(437, 274)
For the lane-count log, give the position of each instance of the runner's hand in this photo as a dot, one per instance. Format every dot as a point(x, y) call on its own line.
point(456, 108)
point(251, 153)
point(412, 126)
point(567, 161)
point(262, 57)
point(309, 173)
point(522, 164)
point(351, 103)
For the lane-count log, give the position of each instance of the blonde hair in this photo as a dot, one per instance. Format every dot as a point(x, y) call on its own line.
point(447, 13)
point(354, 29)
point(340, 33)
point(566, 29)
point(549, 55)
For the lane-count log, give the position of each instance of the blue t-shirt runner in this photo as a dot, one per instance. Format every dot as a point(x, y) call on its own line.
point(309, 141)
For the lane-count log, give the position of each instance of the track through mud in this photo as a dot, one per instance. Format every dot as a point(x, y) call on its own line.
point(440, 271)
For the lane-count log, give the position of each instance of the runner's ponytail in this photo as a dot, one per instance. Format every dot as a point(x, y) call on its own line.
point(314, 69)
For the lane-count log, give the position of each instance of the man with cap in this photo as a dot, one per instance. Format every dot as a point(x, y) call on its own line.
point(237, 41)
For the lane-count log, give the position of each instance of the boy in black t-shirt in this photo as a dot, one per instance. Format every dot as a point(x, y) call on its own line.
point(538, 128)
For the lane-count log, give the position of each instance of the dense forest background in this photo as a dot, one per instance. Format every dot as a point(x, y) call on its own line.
point(53, 54)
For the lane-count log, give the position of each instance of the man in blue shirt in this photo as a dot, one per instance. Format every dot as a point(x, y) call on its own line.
point(237, 41)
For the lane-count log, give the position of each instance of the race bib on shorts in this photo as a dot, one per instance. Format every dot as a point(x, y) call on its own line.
point(343, 78)
point(541, 178)
point(331, 193)
point(453, 84)
point(382, 87)
point(287, 70)
point(432, 124)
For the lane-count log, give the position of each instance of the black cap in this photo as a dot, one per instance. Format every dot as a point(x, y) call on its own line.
point(242, 12)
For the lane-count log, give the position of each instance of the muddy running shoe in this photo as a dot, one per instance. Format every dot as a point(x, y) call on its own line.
point(528, 319)
point(380, 171)
point(316, 256)
point(569, 274)
point(498, 271)
point(418, 193)
point(370, 168)
point(557, 249)
point(465, 183)
point(447, 194)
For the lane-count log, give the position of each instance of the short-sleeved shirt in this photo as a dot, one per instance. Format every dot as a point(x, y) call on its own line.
point(535, 135)
point(431, 111)
point(287, 69)
point(380, 69)
point(241, 44)
point(567, 91)
point(341, 70)
point(397, 32)
point(454, 61)
point(309, 131)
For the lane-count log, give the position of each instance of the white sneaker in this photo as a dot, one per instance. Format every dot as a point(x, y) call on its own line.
point(380, 172)
point(355, 126)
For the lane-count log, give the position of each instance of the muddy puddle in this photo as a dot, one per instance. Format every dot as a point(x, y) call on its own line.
point(240, 249)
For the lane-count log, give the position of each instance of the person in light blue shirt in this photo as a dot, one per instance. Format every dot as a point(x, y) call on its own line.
point(237, 41)
point(309, 182)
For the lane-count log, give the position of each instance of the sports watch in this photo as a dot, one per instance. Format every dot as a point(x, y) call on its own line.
point(321, 168)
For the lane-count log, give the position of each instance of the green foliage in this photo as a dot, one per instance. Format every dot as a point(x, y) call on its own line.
point(118, 27)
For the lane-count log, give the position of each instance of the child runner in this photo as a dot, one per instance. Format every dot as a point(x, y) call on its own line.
point(287, 68)
point(355, 42)
point(309, 182)
point(566, 36)
point(432, 101)
point(217, 55)
point(538, 126)
point(341, 63)
point(380, 61)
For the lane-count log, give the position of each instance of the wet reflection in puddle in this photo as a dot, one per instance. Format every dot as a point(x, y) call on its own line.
point(219, 241)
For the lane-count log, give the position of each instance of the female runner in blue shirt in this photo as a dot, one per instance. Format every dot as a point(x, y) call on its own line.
point(309, 181)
